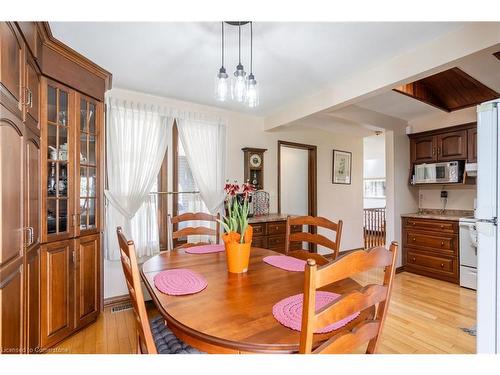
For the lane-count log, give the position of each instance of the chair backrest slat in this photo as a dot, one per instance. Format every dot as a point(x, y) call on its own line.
point(349, 304)
point(354, 263)
point(346, 343)
point(193, 231)
point(371, 296)
point(132, 278)
point(313, 238)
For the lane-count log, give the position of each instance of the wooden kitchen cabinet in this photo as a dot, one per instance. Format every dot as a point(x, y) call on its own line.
point(12, 308)
point(472, 145)
point(87, 280)
point(452, 146)
point(11, 68)
point(56, 305)
point(430, 248)
point(51, 152)
point(423, 149)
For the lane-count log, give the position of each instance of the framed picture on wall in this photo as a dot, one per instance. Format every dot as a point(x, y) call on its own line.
point(342, 164)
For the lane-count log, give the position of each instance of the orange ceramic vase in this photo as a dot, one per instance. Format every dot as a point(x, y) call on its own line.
point(238, 254)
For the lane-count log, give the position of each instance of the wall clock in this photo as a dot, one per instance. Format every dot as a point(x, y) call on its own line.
point(254, 166)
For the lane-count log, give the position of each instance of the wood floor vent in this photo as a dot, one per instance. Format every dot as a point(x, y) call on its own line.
point(121, 307)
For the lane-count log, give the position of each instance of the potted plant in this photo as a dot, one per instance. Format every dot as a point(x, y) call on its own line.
point(238, 233)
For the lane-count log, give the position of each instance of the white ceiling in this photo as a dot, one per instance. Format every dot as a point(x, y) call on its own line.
point(291, 60)
point(397, 105)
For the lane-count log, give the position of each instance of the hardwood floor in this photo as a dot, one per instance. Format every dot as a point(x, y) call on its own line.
point(425, 316)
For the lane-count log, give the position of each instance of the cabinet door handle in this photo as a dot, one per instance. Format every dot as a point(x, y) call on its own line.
point(26, 97)
point(439, 150)
point(414, 259)
point(74, 258)
point(434, 151)
point(442, 226)
point(30, 98)
point(442, 265)
point(31, 232)
point(414, 239)
point(442, 243)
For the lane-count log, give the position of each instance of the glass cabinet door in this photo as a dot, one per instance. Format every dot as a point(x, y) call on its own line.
point(88, 164)
point(57, 156)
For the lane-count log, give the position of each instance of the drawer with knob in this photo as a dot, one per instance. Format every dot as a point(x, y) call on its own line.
point(259, 229)
point(276, 227)
point(442, 244)
point(419, 260)
point(442, 226)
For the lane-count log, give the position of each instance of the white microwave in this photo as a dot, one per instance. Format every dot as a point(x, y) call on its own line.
point(437, 173)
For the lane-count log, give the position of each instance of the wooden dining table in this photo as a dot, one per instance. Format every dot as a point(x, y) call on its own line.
point(233, 314)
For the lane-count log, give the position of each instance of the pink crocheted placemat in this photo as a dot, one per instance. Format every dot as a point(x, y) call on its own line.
point(288, 311)
point(179, 281)
point(205, 249)
point(285, 262)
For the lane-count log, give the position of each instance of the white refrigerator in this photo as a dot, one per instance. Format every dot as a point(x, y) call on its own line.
point(488, 257)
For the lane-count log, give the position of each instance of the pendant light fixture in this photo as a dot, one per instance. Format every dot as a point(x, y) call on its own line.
point(238, 86)
point(252, 91)
point(243, 88)
point(221, 79)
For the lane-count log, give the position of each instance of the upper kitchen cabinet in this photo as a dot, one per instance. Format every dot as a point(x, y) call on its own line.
point(11, 68)
point(423, 149)
point(448, 144)
point(472, 145)
point(452, 146)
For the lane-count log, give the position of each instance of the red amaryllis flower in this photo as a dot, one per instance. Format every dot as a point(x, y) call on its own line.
point(233, 189)
point(227, 186)
point(247, 188)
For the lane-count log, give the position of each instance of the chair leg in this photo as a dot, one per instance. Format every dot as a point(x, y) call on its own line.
point(372, 345)
point(138, 340)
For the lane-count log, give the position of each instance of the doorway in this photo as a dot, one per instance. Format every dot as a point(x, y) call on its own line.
point(297, 186)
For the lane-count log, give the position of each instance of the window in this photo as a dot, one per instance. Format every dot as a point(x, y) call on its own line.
point(374, 188)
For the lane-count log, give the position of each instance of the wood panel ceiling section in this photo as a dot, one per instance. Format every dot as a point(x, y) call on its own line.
point(497, 55)
point(450, 90)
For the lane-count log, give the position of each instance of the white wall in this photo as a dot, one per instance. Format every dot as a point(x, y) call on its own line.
point(458, 198)
point(443, 120)
point(334, 201)
point(401, 197)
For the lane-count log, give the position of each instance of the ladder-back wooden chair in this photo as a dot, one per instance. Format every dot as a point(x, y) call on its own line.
point(314, 238)
point(156, 338)
point(145, 342)
point(367, 331)
point(193, 231)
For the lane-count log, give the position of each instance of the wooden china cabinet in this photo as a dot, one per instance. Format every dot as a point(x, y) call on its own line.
point(51, 188)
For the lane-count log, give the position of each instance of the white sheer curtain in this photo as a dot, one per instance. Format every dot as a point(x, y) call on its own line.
point(136, 140)
point(204, 143)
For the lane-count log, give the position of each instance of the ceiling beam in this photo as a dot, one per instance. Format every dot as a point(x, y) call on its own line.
point(440, 54)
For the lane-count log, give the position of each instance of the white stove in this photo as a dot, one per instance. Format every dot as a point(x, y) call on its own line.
point(468, 252)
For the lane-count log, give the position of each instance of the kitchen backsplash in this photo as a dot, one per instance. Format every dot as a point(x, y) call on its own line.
point(458, 198)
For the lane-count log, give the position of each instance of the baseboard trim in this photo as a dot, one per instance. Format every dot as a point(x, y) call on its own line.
point(400, 269)
point(117, 300)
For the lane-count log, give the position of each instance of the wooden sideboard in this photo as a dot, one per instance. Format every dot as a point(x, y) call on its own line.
point(269, 232)
point(430, 248)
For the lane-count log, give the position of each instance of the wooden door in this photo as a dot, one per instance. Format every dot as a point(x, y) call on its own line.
point(11, 188)
point(11, 308)
point(472, 145)
point(57, 153)
point(32, 240)
point(32, 107)
point(11, 68)
point(32, 299)
point(423, 149)
point(56, 301)
point(452, 146)
point(88, 165)
point(87, 279)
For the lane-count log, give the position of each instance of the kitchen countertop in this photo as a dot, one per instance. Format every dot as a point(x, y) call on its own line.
point(266, 218)
point(452, 215)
